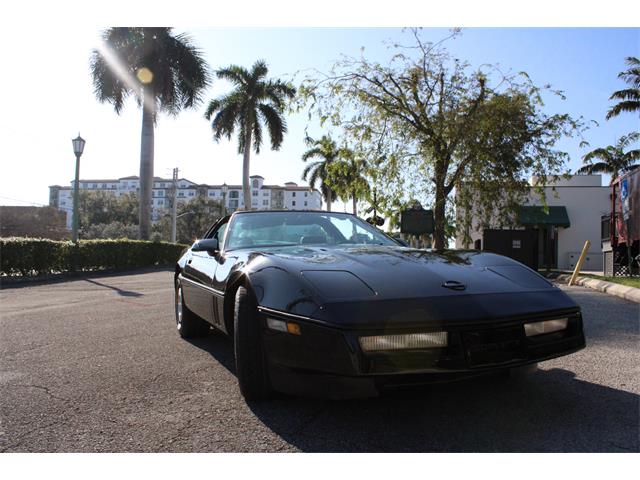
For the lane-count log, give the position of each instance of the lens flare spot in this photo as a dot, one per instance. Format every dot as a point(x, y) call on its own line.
point(144, 75)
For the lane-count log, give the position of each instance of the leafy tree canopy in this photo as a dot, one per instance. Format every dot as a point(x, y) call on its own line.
point(194, 219)
point(98, 207)
point(437, 124)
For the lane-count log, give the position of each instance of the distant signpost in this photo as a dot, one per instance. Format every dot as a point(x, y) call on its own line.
point(416, 221)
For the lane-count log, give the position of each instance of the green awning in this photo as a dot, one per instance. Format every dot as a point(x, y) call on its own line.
point(535, 215)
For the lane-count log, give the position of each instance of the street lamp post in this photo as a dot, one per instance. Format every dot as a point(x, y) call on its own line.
point(224, 198)
point(78, 148)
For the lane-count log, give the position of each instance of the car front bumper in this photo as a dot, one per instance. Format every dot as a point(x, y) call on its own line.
point(327, 361)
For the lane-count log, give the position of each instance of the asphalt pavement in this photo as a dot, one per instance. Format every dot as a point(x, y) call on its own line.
point(96, 365)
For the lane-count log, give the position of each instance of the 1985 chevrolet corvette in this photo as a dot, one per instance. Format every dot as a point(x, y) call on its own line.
point(324, 303)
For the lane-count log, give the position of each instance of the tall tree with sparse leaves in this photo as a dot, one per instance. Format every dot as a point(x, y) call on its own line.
point(441, 125)
point(165, 72)
point(254, 102)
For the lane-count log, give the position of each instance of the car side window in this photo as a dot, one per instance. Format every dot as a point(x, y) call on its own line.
point(219, 233)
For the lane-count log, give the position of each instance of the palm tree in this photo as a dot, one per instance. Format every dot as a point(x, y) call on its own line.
point(629, 98)
point(347, 179)
point(163, 71)
point(328, 152)
point(613, 159)
point(255, 101)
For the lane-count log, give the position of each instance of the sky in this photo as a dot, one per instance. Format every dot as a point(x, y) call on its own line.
point(48, 97)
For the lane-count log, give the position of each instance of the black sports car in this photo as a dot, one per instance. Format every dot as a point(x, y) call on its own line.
point(324, 303)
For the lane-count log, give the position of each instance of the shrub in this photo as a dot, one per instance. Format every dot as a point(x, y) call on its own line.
point(110, 230)
point(33, 256)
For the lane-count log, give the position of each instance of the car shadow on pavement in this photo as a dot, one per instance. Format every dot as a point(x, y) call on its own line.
point(219, 347)
point(119, 291)
point(548, 411)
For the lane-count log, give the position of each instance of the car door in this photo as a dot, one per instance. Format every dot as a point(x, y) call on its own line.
point(200, 268)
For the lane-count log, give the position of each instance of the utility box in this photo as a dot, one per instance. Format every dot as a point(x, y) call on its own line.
point(575, 256)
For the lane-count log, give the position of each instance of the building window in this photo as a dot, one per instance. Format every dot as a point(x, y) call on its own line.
point(265, 194)
point(265, 202)
point(233, 203)
point(162, 185)
point(305, 204)
point(293, 203)
point(161, 193)
point(181, 194)
point(104, 185)
point(212, 194)
point(293, 194)
point(191, 194)
point(305, 194)
point(233, 194)
point(255, 183)
point(255, 193)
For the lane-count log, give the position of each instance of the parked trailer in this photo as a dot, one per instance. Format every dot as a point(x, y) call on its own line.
point(621, 228)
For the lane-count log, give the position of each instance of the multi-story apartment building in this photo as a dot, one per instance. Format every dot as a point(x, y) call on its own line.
point(263, 197)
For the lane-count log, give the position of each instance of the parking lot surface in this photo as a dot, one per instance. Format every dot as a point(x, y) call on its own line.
point(96, 365)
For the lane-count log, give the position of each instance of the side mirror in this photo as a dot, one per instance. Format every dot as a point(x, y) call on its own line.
point(209, 245)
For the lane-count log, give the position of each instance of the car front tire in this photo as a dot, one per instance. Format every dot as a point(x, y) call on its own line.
point(249, 353)
point(189, 325)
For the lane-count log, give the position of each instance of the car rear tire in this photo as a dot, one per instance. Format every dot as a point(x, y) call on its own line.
point(189, 325)
point(251, 368)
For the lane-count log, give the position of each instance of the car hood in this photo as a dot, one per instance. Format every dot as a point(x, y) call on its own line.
point(377, 285)
point(399, 272)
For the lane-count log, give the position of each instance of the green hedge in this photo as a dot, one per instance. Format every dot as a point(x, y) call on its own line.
point(34, 256)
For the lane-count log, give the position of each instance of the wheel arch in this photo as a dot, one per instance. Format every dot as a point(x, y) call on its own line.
point(237, 279)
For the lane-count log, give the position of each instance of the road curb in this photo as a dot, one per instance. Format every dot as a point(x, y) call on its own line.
point(622, 291)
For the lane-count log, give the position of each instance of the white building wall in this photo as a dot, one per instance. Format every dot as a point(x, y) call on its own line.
point(586, 201)
point(585, 205)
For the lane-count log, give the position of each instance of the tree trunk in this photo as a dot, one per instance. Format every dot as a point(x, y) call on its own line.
point(439, 219)
point(355, 203)
point(328, 199)
point(146, 163)
point(246, 186)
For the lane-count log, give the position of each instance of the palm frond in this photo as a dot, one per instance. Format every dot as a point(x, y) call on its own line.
point(313, 152)
point(190, 70)
point(631, 156)
point(600, 167)
point(234, 74)
point(628, 106)
point(626, 140)
point(259, 70)
point(626, 94)
point(310, 169)
point(275, 123)
point(604, 154)
point(257, 136)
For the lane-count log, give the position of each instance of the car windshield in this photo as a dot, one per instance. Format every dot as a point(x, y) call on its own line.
point(271, 229)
